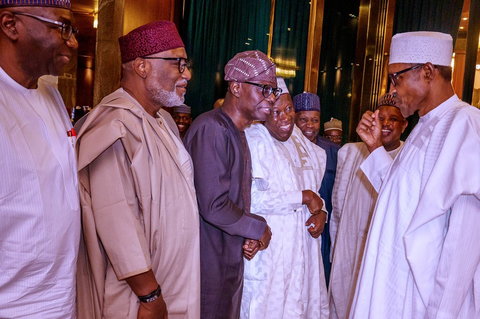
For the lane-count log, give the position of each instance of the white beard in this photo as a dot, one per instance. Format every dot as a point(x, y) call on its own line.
point(166, 98)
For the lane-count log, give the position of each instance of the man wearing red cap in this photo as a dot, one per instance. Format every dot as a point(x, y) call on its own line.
point(217, 144)
point(140, 253)
point(39, 205)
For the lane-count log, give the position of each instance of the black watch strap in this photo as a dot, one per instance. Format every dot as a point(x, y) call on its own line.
point(151, 296)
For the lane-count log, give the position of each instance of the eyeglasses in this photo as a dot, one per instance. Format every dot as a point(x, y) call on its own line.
point(394, 76)
point(267, 89)
point(181, 66)
point(67, 28)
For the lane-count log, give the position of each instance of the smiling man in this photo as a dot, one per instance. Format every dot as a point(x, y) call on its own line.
point(140, 253)
point(182, 115)
point(217, 144)
point(422, 254)
point(39, 205)
point(286, 280)
point(307, 118)
point(353, 202)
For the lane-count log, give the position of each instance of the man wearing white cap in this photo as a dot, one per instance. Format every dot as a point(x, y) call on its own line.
point(423, 248)
point(286, 280)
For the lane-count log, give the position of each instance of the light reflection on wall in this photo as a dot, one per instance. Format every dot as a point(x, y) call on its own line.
point(286, 68)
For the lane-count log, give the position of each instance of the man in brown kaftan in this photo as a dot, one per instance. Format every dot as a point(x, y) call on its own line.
point(221, 158)
point(140, 251)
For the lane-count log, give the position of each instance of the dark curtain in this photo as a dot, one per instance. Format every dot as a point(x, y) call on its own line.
point(337, 59)
point(427, 15)
point(214, 32)
point(289, 45)
point(472, 50)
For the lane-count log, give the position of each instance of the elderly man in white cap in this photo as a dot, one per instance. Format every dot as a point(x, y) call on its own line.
point(423, 249)
point(287, 280)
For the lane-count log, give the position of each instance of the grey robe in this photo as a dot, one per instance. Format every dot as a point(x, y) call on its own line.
point(222, 179)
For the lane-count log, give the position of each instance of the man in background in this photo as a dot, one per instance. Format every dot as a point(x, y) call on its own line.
point(216, 141)
point(333, 131)
point(183, 118)
point(307, 118)
point(39, 205)
point(140, 253)
point(353, 203)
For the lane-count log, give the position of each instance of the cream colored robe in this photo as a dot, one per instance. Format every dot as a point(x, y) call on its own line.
point(353, 203)
point(139, 212)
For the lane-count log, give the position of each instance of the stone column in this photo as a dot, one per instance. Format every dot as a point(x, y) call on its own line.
point(107, 61)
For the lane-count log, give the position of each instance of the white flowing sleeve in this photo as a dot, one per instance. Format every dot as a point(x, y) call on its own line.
point(376, 166)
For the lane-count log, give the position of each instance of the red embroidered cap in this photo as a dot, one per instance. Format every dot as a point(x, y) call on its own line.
point(148, 39)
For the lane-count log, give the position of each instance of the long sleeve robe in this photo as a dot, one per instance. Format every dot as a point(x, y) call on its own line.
point(422, 254)
point(39, 204)
point(287, 279)
point(353, 203)
point(139, 212)
point(222, 178)
point(331, 149)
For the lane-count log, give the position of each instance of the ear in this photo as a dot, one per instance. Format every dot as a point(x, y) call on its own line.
point(235, 88)
point(8, 25)
point(141, 67)
point(429, 71)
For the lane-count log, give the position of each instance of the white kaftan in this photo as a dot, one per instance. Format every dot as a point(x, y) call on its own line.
point(353, 203)
point(286, 280)
point(423, 249)
point(39, 204)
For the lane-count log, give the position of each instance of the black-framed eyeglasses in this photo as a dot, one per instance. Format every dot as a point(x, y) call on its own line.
point(66, 28)
point(394, 76)
point(182, 62)
point(267, 89)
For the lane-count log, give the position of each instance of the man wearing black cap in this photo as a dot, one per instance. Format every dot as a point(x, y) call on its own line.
point(217, 143)
point(39, 206)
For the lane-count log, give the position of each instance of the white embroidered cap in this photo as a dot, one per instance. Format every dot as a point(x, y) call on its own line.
point(421, 47)
point(281, 85)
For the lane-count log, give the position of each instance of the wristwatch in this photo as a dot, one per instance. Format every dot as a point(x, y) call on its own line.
point(151, 296)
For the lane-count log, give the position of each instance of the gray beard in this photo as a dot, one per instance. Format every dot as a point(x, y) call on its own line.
point(166, 98)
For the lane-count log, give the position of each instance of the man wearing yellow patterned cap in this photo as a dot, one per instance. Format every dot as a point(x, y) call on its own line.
point(39, 205)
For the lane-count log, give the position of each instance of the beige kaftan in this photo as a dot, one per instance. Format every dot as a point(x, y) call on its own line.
point(139, 212)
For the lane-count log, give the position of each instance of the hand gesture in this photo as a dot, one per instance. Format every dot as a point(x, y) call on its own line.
point(316, 224)
point(250, 248)
point(370, 130)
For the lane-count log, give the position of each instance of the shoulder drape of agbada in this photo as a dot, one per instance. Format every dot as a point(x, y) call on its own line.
point(139, 212)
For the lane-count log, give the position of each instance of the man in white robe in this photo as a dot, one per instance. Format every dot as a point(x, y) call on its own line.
point(353, 203)
point(286, 280)
point(140, 255)
point(423, 248)
point(39, 205)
